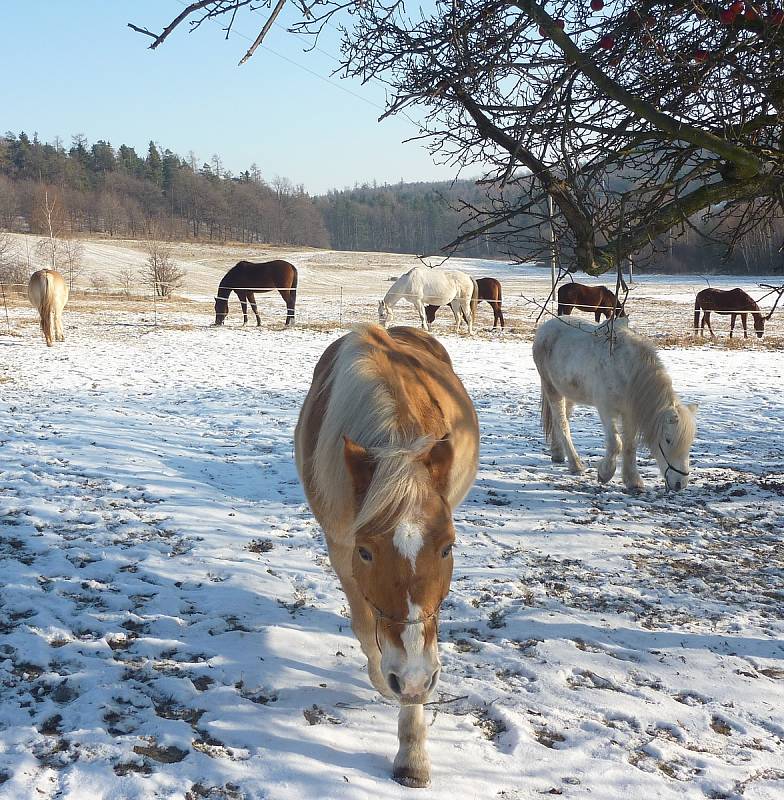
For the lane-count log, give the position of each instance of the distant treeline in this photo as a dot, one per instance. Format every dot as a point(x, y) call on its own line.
point(116, 191)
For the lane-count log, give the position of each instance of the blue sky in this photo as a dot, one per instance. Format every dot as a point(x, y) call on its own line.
point(75, 67)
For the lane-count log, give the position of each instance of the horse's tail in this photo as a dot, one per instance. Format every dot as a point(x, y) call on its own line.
point(547, 417)
point(474, 300)
point(45, 304)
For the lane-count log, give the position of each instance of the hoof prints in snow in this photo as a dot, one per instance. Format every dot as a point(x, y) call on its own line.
point(171, 627)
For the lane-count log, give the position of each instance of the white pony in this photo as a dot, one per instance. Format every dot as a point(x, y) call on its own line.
point(48, 292)
point(424, 286)
point(576, 365)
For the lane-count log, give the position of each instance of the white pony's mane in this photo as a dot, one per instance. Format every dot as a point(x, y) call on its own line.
point(651, 393)
point(362, 406)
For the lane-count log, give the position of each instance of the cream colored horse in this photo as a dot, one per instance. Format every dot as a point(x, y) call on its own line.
point(423, 286)
point(627, 383)
point(48, 292)
point(386, 446)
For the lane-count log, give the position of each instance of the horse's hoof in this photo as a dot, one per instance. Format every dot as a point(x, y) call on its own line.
point(577, 468)
point(558, 458)
point(412, 778)
point(604, 473)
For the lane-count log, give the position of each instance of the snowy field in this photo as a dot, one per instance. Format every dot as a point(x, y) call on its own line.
point(171, 628)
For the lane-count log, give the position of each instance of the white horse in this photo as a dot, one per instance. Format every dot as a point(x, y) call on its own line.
point(423, 286)
point(629, 382)
point(48, 292)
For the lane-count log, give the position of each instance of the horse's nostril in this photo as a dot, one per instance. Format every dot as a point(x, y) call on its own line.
point(394, 682)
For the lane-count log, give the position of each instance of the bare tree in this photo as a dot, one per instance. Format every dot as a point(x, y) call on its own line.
point(126, 278)
point(160, 271)
point(50, 221)
point(13, 271)
point(635, 116)
point(71, 254)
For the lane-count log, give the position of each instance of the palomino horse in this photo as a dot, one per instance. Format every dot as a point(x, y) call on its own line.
point(386, 447)
point(423, 286)
point(246, 277)
point(627, 381)
point(730, 301)
point(597, 299)
point(489, 289)
point(48, 292)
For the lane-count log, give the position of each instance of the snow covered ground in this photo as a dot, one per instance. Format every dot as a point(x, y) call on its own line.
point(171, 628)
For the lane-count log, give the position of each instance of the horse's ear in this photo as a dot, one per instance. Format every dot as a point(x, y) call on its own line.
point(438, 460)
point(693, 408)
point(361, 466)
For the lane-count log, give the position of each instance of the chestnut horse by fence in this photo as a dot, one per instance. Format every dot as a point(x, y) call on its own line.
point(386, 447)
point(597, 299)
point(727, 301)
point(48, 292)
point(489, 290)
point(246, 278)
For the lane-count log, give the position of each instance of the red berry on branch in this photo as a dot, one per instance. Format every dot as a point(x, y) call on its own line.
point(727, 17)
point(700, 56)
point(597, 5)
point(607, 42)
point(736, 7)
point(559, 23)
point(751, 15)
point(777, 17)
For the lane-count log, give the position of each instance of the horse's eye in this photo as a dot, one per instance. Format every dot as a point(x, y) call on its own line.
point(447, 551)
point(364, 554)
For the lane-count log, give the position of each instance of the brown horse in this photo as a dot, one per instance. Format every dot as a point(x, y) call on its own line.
point(730, 301)
point(48, 292)
point(597, 299)
point(386, 447)
point(490, 290)
point(246, 277)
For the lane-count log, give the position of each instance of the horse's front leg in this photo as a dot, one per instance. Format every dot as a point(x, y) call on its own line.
point(244, 305)
point(455, 306)
point(420, 307)
point(630, 473)
point(607, 465)
point(412, 763)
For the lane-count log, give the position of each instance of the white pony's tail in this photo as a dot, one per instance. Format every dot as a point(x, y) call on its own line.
point(46, 291)
point(547, 417)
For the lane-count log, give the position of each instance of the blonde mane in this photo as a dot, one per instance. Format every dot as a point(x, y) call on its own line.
point(651, 394)
point(367, 404)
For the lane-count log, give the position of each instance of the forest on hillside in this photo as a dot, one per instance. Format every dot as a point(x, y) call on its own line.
point(115, 191)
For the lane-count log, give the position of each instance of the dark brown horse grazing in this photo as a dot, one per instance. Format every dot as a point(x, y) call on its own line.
point(490, 290)
point(246, 277)
point(597, 299)
point(727, 301)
